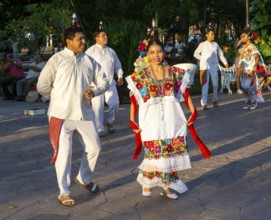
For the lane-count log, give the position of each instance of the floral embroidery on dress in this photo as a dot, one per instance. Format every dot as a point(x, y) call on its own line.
point(166, 148)
point(150, 88)
point(166, 178)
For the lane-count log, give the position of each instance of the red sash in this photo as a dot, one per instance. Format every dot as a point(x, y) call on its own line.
point(55, 125)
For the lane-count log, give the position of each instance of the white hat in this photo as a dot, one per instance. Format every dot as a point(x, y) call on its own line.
point(32, 96)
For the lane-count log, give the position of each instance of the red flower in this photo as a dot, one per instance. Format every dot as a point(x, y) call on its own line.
point(168, 86)
point(172, 174)
point(169, 148)
point(153, 88)
point(182, 71)
point(133, 78)
point(255, 36)
point(139, 85)
point(141, 46)
point(150, 144)
point(156, 156)
point(150, 177)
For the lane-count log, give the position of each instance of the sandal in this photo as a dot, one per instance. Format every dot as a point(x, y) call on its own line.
point(91, 187)
point(66, 200)
point(110, 128)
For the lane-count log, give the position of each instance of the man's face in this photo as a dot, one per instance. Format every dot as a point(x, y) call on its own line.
point(210, 36)
point(78, 43)
point(101, 39)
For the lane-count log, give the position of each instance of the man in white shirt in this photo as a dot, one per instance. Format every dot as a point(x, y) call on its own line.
point(24, 85)
point(111, 65)
point(67, 78)
point(209, 54)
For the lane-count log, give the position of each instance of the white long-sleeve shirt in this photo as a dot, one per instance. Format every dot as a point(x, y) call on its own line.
point(209, 54)
point(108, 59)
point(65, 77)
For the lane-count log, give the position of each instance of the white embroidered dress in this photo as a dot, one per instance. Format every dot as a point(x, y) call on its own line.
point(163, 126)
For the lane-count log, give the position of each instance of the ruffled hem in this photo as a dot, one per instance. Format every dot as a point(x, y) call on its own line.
point(178, 186)
point(166, 165)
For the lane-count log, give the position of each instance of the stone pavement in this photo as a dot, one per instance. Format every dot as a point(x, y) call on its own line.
point(234, 184)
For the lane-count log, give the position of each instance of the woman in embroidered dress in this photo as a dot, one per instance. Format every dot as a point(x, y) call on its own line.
point(162, 125)
point(248, 63)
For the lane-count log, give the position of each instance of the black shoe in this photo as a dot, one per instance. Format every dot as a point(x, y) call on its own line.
point(8, 98)
point(204, 107)
point(20, 98)
point(216, 104)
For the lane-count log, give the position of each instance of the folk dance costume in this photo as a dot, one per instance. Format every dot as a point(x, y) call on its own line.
point(65, 77)
point(209, 54)
point(249, 82)
point(110, 64)
point(163, 127)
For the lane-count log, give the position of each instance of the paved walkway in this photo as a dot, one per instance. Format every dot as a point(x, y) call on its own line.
point(234, 184)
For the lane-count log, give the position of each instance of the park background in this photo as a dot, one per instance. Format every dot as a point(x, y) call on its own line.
point(29, 27)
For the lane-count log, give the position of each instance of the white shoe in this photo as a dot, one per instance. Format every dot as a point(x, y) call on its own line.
point(246, 107)
point(171, 195)
point(252, 107)
point(239, 91)
point(146, 193)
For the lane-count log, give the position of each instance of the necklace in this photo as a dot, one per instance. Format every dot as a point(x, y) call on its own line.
point(154, 74)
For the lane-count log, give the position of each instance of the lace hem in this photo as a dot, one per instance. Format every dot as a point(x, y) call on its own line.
point(178, 186)
point(166, 165)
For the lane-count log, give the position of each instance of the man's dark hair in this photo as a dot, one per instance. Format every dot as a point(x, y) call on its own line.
point(209, 29)
point(96, 33)
point(70, 32)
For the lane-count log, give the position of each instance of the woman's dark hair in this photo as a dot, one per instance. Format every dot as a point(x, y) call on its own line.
point(248, 32)
point(70, 32)
point(155, 42)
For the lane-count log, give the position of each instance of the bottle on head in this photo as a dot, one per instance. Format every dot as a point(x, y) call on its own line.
point(154, 31)
point(74, 22)
point(101, 27)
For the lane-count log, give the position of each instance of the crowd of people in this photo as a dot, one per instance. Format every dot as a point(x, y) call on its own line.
point(80, 82)
point(20, 78)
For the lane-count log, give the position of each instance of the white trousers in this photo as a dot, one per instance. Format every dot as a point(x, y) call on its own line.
point(211, 71)
point(88, 137)
point(111, 98)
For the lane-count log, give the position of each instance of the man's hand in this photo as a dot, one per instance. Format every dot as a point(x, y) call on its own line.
point(120, 81)
point(89, 94)
point(227, 66)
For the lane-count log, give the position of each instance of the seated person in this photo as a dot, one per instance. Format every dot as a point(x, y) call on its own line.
point(264, 76)
point(25, 84)
point(13, 68)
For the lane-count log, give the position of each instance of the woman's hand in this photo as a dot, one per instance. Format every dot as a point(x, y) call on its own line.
point(137, 131)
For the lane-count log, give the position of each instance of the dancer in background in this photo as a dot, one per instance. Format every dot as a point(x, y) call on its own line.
point(209, 54)
point(248, 64)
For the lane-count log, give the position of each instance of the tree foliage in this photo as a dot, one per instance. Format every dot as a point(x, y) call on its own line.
point(260, 24)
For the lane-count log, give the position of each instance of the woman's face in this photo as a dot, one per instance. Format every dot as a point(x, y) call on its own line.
point(156, 54)
point(210, 36)
point(245, 38)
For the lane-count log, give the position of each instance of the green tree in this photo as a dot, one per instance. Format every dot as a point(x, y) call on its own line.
point(260, 23)
point(40, 20)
